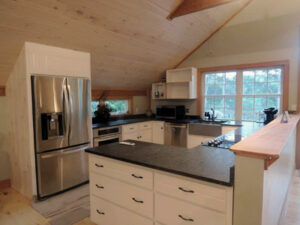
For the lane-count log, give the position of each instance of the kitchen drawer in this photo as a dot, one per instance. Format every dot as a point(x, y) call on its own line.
point(130, 128)
point(170, 211)
point(106, 213)
point(145, 125)
point(129, 196)
point(122, 171)
point(201, 194)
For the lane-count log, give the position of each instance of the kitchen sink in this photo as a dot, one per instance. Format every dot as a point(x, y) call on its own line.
point(205, 129)
point(210, 122)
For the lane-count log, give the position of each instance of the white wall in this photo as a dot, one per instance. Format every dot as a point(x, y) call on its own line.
point(139, 104)
point(4, 158)
point(266, 30)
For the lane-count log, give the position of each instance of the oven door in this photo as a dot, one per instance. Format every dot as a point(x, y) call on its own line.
point(104, 140)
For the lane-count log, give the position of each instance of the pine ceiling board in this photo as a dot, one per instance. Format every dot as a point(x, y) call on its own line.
point(131, 42)
point(112, 20)
point(79, 29)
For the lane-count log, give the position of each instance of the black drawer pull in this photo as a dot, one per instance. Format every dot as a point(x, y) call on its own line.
point(135, 176)
point(98, 186)
point(96, 164)
point(184, 190)
point(186, 219)
point(99, 212)
point(138, 201)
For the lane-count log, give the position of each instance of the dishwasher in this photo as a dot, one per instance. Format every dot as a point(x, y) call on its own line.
point(176, 134)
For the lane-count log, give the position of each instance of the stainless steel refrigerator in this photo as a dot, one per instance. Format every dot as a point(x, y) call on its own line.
point(61, 108)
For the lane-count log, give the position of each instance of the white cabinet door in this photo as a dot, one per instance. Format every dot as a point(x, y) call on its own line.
point(130, 136)
point(145, 135)
point(158, 133)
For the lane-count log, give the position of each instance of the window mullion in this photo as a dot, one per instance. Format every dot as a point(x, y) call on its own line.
point(239, 93)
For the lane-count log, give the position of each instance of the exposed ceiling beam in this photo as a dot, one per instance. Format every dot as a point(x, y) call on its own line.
point(2, 91)
point(213, 33)
point(190, 6)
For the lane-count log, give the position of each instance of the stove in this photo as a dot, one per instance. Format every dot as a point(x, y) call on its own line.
point(225, 141)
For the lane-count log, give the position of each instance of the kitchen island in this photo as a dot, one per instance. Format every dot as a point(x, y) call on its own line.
point(150, 183)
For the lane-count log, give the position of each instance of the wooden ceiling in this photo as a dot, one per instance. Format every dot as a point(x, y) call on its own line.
point(131, 42)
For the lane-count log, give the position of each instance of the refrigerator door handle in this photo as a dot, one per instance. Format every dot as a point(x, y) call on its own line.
point(67, 109)
point(75, 149)
point(70, 105)
point(50, 155)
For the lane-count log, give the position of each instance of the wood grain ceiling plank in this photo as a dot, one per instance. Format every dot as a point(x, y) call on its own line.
point(53, 19)
point(142, 46)
point(213, 33)
point(191, 6)
point(113, 20)
point(2, 91)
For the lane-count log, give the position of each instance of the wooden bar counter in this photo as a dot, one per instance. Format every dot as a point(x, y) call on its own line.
point(264, 168)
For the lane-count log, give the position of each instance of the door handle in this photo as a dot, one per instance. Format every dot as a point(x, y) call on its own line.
point(138, 201)
point(184, 190)
point(135, 176)
point(99, 186)
point(186, 219)
point(98, 165)
point(99, 212)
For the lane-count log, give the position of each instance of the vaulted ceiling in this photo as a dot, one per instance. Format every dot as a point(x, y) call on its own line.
point(131, 42)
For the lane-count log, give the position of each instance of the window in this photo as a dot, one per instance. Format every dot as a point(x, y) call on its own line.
point(117, 106)
point(261, 89)
point(243, 94)
point(220, 91)
point(94, 107)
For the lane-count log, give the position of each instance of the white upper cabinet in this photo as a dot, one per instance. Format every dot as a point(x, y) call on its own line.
point(182, 83)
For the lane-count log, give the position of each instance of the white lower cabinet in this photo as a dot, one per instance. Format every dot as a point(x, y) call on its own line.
point(137, 131)
point(106, 213)
point(134, 198)
point(171, 211)
point(126, 194)
point(158, 132)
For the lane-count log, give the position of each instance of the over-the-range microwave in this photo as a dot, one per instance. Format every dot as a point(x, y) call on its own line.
point(170, 112)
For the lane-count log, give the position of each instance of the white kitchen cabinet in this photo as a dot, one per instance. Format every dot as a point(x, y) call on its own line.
point(158, 132)
point(226, 129)
point(182, 83)
point(137, 131)
point(153, 196)
point(196, 140)
point(146, 135)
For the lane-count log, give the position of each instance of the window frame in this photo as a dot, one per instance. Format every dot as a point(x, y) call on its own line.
point(111, 98)
point(284, 97)
point(217, 95)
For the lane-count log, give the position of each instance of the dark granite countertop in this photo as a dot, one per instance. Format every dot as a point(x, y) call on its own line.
point(210, 164)
point(145, 119)
point(121, 122)
point(204, 163)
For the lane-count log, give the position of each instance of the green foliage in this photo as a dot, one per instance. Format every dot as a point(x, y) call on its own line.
point(117, 106)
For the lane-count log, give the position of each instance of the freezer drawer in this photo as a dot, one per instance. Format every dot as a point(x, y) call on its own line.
point(62, 169)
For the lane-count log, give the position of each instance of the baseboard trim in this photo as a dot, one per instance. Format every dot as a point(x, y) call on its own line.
point(5, 184)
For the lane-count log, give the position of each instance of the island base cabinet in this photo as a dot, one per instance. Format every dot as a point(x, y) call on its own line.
point(134, 198)
point(171, 211)
point(106, 213)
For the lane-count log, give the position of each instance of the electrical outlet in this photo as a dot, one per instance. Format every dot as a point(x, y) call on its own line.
point(187, 110)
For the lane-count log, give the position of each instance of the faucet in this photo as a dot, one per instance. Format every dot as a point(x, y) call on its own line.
point(213, 117)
